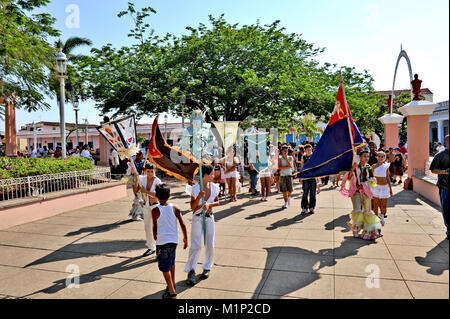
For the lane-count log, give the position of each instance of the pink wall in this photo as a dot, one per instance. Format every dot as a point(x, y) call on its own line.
point(427, 190)
point(22, 214)
point(418, 139)
point(391, 135)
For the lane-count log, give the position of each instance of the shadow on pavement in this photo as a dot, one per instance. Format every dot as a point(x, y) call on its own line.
point(95, 275)
point(98, 229)
point(90, 249)
point(434, 267)
point(324, 258)
point(287, 221)
point(341, 221)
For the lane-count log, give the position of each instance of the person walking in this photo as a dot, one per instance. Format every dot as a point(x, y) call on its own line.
point(362, 218)
point(440, 166)
point(211, 195)
point(231, 175)
point(165, 233)
point(285, 163)
point(310, 186)
point(383, 190)
point(399, 165)
point(148, 183)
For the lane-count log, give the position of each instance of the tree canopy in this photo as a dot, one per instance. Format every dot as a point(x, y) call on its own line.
point(25, 54)
point(231, 71)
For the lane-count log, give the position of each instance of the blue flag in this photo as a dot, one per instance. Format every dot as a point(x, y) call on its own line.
point(334, 152)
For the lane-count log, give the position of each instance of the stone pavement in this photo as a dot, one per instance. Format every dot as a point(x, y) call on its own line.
point(261, 252)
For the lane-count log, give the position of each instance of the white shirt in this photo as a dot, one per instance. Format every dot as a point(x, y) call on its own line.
point(34, 153)
point(167, 225)
point(215, 190)
point(156, 182)
point(76, 154)
point(86, 153)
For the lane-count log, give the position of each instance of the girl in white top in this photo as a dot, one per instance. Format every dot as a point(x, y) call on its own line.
point(265, 179)
point(383, 190)
point(231, 175)
point(148, 183)
point(211, 194)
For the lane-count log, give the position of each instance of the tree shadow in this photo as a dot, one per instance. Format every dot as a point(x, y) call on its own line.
point(127, 264)
point(434, 267)
point(311, 264)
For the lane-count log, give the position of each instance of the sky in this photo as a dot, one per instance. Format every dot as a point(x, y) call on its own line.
point(365, 34)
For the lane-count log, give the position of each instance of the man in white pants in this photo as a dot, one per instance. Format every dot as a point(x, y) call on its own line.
point(211, 194)
point(148, 181)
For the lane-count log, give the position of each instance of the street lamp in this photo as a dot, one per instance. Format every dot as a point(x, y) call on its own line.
point(61, 68)
point(165, 127)
point(76, 103)
point(183, 102)
point(86, 123)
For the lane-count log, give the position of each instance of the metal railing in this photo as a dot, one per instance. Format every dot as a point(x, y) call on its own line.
point(37, 186)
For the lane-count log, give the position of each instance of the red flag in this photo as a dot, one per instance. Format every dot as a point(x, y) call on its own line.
point(341, 106)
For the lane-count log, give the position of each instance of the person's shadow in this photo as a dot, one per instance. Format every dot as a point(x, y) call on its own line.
point(127, 264)
point(341, 221)
point(313, 263)
point(434, 267)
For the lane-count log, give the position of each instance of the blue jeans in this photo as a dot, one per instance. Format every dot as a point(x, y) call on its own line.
point(443, 194)
point(253, 181)
point(309, 188)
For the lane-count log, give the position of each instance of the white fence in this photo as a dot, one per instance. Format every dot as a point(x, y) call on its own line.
point(37, 186)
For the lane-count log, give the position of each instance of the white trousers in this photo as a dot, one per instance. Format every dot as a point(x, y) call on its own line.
point(148, 227)
point(196, 243)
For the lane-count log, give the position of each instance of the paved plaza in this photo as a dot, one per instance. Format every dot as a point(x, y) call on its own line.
point(261, 252)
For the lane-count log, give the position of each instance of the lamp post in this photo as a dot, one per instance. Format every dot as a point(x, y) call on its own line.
point(165, 127)
point(183, 102)
point(34, 137)
point(86, 123)
point(76, 103)
point(61, 68)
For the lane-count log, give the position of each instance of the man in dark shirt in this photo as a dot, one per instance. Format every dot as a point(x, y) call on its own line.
point(440, 166)
point(372, 154)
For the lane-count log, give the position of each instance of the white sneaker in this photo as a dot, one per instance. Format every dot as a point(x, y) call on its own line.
point(285, 205)
point(382, 220)
point(289, 201)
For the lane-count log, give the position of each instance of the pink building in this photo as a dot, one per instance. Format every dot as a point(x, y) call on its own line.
point(48, 134)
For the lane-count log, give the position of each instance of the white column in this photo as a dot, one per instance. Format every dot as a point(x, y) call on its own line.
point(441, 131)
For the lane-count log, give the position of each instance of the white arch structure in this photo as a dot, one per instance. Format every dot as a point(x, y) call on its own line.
point(402, 54)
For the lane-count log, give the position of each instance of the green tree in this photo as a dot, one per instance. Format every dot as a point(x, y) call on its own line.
point(25, 54)
point(252, 71)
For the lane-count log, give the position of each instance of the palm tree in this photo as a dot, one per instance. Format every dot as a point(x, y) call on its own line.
point(68, 47)
point(309, 124)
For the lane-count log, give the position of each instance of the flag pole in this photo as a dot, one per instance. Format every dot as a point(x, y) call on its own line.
point(341, 82)
point(201, 180)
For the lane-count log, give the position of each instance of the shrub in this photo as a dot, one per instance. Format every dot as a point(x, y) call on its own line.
point(21, 167)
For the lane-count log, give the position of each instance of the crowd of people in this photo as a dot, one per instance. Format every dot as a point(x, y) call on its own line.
point(368, 184)
point(44, 152)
